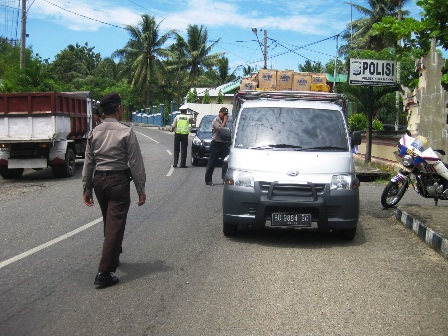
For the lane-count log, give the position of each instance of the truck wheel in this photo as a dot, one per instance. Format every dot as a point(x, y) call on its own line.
point(67, 169)
point(14, 173)
point(194, 162)
point(229, 230)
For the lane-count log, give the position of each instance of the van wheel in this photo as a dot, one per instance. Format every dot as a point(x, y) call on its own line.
point(347, 234)
point(229, 230)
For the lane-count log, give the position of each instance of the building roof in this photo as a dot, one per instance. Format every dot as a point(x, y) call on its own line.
point(225, 88)
point(340, 78)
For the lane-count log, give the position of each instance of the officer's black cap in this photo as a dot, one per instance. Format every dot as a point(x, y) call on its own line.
point(110, 99)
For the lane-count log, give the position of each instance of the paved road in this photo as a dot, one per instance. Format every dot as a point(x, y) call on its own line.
point(181, 276)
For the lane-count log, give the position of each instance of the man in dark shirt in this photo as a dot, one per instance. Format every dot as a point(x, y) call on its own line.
point(218, 147)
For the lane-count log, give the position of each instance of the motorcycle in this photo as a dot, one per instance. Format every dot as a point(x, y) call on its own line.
point(422, 169)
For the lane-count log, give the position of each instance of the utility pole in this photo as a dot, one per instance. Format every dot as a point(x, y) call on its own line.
point(336, 62)
point(265, 47)
point(397, 94)
point(23, 37)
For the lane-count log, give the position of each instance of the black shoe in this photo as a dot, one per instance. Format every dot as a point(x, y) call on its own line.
point(174, 165)
point(209, 183)
point(183, 166)
point(106, 279)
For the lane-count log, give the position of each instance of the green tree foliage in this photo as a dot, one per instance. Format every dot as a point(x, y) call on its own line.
point(196, 53)
point(143, 55)
point(75, 62)
point(340, 67)
point(192, 96)
point(358, 122)
point(309, 67)
point(360, 34)
point(34, 77)
point(220, 98)
point(417, 34)
point(206, 98)
point(248, 70)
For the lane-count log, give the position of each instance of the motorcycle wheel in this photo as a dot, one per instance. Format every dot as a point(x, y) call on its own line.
point(393, 193)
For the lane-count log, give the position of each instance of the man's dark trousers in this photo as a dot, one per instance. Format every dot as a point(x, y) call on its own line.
point(218, 150)
point(180, 144)
point(113, 194)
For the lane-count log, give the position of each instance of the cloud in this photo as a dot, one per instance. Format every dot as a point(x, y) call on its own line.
point(305, 17)
point(81, 15)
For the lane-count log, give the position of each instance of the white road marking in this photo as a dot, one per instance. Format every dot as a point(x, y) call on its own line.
point(170, 172)
point(147, 137)
point(48, 244)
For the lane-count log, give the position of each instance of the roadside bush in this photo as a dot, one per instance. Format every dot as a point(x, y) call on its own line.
point(358, 122)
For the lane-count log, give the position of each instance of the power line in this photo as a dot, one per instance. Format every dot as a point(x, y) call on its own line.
point(84, 16)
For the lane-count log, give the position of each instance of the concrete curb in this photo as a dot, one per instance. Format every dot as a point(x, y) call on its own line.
point(432, 238)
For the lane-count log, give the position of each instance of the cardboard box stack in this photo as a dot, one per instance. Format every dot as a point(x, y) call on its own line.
point(248, 84)
point(285, 79)
point(267, 79)
point(302, 81)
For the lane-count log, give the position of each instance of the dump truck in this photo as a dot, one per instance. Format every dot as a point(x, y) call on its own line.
point(43, 129)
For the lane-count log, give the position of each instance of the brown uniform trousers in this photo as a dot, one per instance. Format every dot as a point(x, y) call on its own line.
point(112, 190)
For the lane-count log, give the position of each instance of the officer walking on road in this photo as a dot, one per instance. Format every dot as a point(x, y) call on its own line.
point(181, 128)
point(112, 159)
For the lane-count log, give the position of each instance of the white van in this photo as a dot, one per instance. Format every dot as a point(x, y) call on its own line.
point(291, 164)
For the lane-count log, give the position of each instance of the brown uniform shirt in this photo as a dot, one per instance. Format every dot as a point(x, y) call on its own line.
point(113, 146)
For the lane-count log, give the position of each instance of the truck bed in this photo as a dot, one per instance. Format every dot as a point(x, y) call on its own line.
point(43, 116)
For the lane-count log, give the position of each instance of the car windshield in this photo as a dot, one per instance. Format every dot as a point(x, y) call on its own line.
point(206, 124)
point(296, 129)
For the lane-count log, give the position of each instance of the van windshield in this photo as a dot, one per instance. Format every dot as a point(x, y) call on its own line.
point(291, 129)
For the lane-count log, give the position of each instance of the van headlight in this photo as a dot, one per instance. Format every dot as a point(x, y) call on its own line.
point(240, 178)
point(344, 182)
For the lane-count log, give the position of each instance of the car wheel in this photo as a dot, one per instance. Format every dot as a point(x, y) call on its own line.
point(229, 230)
point(194, 161)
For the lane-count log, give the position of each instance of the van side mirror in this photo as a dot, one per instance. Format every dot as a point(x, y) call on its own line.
point(355, 138)
point(225, 134)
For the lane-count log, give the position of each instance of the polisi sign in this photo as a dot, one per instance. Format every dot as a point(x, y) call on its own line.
point(372, 72)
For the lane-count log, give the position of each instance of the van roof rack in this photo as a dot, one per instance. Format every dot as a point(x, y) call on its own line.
point(242, 96)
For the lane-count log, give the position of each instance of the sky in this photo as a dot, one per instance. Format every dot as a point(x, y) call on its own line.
point(296, 30)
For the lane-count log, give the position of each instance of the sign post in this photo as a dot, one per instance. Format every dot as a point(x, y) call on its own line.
point(372, 73)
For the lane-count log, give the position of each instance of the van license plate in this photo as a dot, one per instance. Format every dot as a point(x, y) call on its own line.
point(291, 219)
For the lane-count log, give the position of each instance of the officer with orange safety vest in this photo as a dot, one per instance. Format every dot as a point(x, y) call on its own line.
point(181, 128)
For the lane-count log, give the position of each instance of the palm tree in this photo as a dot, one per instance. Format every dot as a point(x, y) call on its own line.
point(360, 35)
point(309, 67)
point(196, 52)
point(247, 71)
point(143, 55)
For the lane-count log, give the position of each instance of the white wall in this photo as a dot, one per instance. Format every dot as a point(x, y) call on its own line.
point(206, 109)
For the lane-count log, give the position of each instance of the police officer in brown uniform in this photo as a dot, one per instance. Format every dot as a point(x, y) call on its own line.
point(112, 156)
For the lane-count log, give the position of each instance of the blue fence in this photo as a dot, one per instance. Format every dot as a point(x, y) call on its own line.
point(153, 115)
